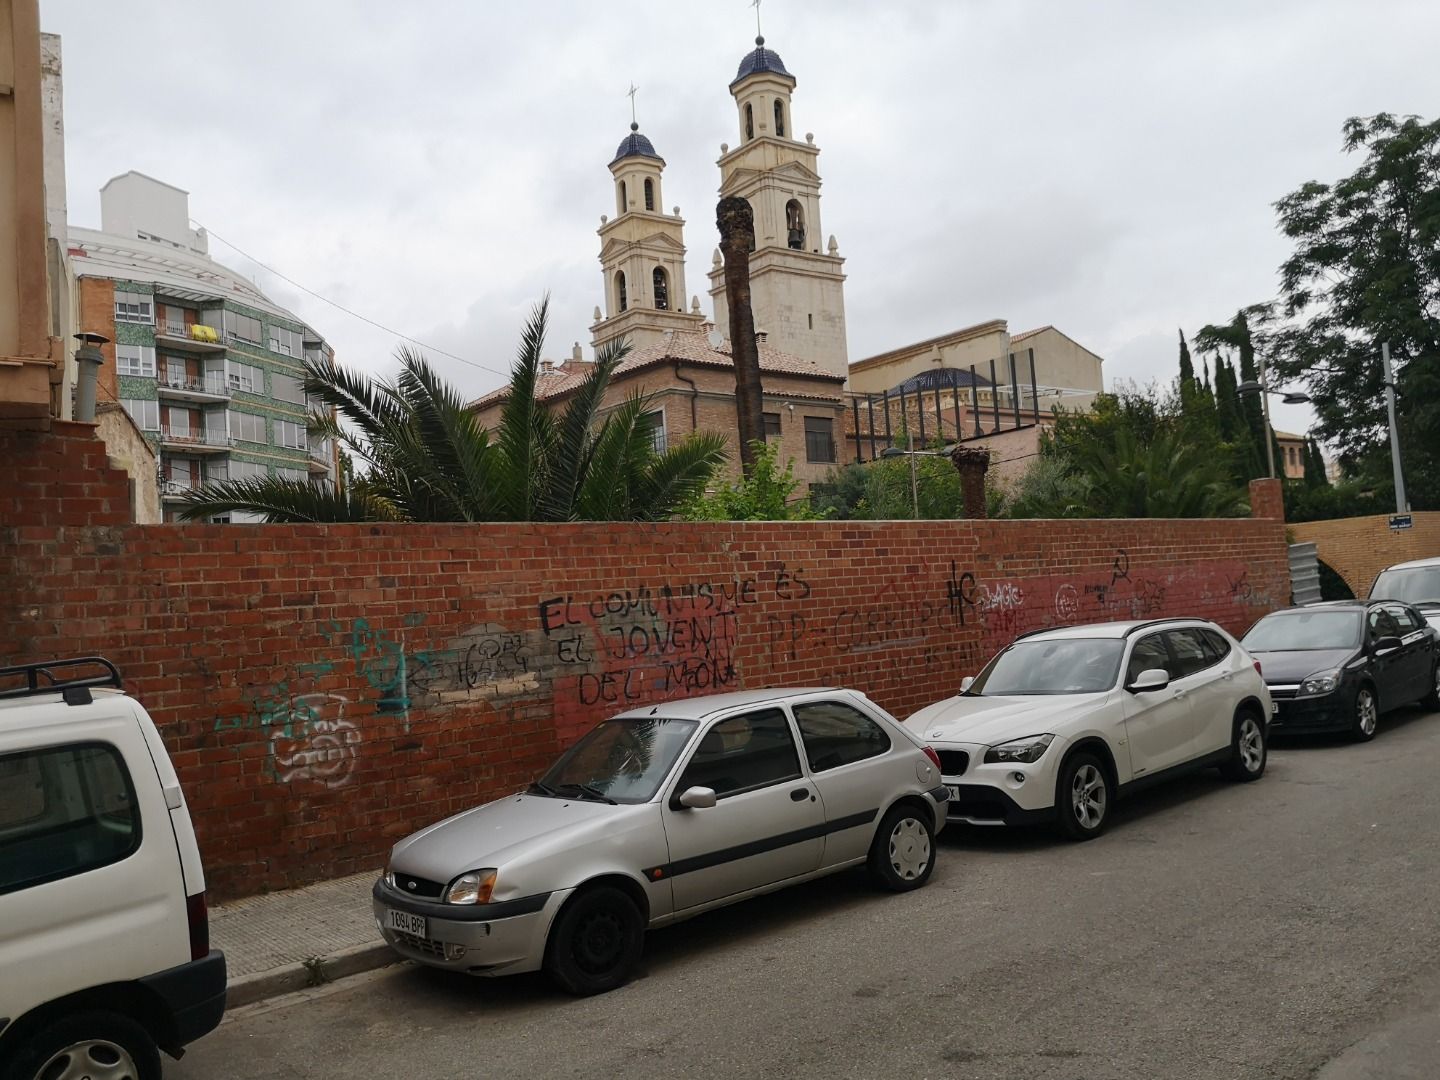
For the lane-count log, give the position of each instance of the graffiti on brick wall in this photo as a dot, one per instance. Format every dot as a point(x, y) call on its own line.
point(314, 741)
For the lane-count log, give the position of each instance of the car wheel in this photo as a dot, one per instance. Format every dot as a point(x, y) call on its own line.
point(101, 1045)
point(1432, 699)
point(902, 855)
point(1083, 798)
point(1248, 749)
point(1366, 715)
point(595, 942)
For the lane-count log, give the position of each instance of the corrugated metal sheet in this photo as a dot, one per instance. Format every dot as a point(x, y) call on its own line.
point(1304, 574)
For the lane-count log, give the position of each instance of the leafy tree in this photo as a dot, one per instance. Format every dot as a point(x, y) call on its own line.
point(765, 493)
point(424, 456)
point(1366, 270)
point(880, 490)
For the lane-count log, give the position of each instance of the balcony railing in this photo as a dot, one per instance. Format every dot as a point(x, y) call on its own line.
point(174, 489)
point(197, 332)
point(194, 437)
point(213, 383)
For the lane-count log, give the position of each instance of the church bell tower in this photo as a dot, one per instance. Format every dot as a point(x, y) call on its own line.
point(797, 285)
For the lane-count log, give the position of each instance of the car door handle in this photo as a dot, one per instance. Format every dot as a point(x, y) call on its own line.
point(1180, 694)
point(800, 794)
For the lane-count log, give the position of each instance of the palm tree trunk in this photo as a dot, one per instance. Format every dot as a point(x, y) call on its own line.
point(972, 463)
point(736, 222)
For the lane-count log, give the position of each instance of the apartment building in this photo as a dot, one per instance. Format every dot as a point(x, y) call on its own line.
point(208, 367)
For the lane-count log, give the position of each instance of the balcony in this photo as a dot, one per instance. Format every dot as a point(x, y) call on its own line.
point(175, 490)
point(212, 388)
point(195, 441)
point(321, 459)
point(197, 338)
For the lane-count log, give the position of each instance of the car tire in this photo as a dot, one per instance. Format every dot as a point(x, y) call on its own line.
point(109, 1043)
point(1249, 748)
point(595, 943)
point(1365, 714)
point(902, 855)
point(1432, 699)
point(1084, 797)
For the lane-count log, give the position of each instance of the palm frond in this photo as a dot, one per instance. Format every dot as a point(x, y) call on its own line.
point(574, 441)
point(288, 501)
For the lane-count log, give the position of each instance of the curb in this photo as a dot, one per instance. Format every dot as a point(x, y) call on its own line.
point(248, 989)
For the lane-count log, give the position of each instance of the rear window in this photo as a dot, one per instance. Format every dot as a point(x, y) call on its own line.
point(63, 811)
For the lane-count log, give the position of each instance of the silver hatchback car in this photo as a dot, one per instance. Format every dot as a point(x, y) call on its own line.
point(659, 814)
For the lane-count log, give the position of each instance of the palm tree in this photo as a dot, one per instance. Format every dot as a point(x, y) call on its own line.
point(424, 457)
point(1166, 478)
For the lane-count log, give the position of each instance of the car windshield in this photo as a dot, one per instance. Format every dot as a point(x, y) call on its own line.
point(621, 760)
point(1298, 631)
point(1417, 585)
point(1065, 666)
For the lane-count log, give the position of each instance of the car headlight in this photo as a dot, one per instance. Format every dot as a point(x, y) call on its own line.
point(1322, 682)
point(472, 888)
point(1025, 751)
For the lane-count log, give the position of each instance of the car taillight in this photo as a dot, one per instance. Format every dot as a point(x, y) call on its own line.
point(1257, 668)
point(934, 757)
point(199, 916)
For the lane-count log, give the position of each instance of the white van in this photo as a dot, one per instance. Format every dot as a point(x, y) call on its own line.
point(105, 955)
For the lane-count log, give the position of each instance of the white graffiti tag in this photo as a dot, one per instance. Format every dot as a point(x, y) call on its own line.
point(318, 743)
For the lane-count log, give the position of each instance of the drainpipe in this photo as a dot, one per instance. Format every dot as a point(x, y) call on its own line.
point(694, 397)
point(88, 359)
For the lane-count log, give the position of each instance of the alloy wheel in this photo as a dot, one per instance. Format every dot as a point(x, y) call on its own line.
point(1087, 796)
point(909, 849)
point(1252, 745)
point(1366, 714)
point(93, 1059)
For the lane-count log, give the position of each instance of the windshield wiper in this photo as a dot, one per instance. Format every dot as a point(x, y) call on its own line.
point(539, 787)
point(591, 793)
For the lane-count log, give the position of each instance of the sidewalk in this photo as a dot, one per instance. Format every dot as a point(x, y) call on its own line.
point(279, 942)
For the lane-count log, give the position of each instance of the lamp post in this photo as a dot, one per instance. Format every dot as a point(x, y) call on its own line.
point(1289, 397)
point(1401, 503)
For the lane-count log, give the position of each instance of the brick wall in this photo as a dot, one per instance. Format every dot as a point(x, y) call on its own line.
point(1358, 548)
point(325, 690)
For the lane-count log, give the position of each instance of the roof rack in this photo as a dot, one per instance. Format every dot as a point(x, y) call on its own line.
point(47, 668)
point(1161, 622)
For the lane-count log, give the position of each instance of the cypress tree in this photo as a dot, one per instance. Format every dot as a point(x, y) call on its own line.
point(1314, 466)
point(1187, 369)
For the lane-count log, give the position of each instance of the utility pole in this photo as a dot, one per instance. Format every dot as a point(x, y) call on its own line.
point(1401, 504)
point(736, 222)
point(914, 483)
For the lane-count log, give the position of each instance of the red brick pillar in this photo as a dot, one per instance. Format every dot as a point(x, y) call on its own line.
point(1267, 499)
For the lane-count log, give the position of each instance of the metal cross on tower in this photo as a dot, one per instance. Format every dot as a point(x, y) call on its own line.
point(756, 5)
point(631, 95)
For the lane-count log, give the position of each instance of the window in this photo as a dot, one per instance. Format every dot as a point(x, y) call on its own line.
point(624, 203)
point(135, 360)
point(64, 811)
point(285, 341)
point(246, 377)
point(1190, 653)
point(134, 307)
point(297, 475)
point(837, 734)
point(1383, 624)
point(1215, 646)
point(247, 470)
point(779, 119)
point(662, 289)
point(819, 438)
point(795, 224)
point(621, 303)
point(248, 427)
point(654, 422)
point(1061, 666)
point(1149, 653)
point(173, 321)
point(1403, 619)
point(627, 759)
point(749, 123)
point(243, 327)
point(744, 753)
point(772, 424)
point(146, 414)
point(287, 388)
point(649, 194)
point(290, 435)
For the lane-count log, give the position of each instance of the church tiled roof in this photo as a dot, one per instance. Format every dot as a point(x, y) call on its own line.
point(635, 145)
point(762, 59)
point(686, 346)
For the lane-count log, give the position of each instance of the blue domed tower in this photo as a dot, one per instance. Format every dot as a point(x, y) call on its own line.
point(796, 279)
point(642, 252)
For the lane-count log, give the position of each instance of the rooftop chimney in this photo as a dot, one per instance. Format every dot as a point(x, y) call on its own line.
point(547, 366)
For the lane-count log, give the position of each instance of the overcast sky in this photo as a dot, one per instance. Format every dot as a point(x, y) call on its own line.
point(1108, 167)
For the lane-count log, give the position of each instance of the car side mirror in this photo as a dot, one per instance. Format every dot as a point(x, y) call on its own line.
point(966, 683)
point(697, 798)
point(1150, 680)
point(1386, 645)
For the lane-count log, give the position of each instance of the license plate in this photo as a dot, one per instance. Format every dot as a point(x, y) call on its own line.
point(1274, 707)
point(406, 923)
point(954, 792)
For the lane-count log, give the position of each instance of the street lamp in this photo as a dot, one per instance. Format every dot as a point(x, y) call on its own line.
point(1289, 397)
point(912, 454)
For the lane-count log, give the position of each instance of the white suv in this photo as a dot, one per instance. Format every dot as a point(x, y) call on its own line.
point(105, 955)
point(1064, 721)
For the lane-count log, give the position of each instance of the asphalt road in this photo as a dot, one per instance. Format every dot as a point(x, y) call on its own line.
point(1217, 930)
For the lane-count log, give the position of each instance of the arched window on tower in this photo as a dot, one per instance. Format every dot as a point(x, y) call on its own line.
point(779, 119)
point(749, 123)
point(624, 201)
point(649, 194)
point(795, 224)
point(621, 303)
point(662, 289)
